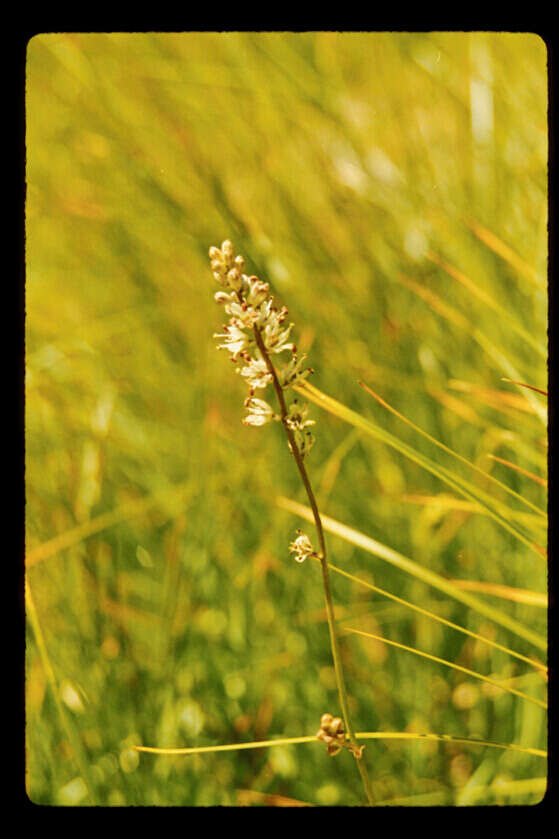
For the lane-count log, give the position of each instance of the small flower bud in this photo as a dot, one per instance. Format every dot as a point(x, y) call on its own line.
point(239, 262)
point(215, 253)
point(336, 726)
point(325, 720)
point(227, 249)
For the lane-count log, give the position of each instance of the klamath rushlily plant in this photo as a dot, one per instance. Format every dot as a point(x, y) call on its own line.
point(255, 334)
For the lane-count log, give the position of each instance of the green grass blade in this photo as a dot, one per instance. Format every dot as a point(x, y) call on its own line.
point(488, 301)
point(464, 487)
point(429, 577)
point(492, 350)
point(450, 664)
point(119, 514)
point(537, 664)
point(450, 451)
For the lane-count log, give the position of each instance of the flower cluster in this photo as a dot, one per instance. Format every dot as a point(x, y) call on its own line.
point(302, 547)
point(254, 322)
point(332, 733)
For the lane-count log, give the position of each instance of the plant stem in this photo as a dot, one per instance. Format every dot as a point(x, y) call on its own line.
point(323, 564)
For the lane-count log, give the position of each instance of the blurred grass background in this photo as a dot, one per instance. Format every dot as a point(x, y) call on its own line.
point(358, 173)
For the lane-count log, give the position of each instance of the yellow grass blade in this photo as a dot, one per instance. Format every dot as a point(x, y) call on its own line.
point(518, 595)
point(102, 522)
point(528, 474)
point(493, 351)
point(486, 298)
point(504, 251)
point(362, 735)
point(463, 486)
point(233, 747)
point(450, 503)
point(523, 384)
point(355, 537)
point(446, 448)
point(537, 664)
point(246, 797)
point(450, 664)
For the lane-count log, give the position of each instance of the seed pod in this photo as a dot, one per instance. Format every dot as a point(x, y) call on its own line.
point(336, 726)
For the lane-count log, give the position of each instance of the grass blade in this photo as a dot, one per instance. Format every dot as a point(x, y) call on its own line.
point(523, 384)
point(518, 595)
point(492, 350)
point(504, 251)
point(528, 474)
point(429, 577)
point(487, 300)
point(102, 522)
point(447, 449)
point(364, 735)
point(464, 487)
point(446, 663)
point(537, 664)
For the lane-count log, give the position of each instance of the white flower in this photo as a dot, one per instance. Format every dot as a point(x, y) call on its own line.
point(259, 412)
point(256, 373)
point(275, 339)
point(302, 547)
point(297, 416)
point(223, 297)
point(255, 321)
point(235, 340)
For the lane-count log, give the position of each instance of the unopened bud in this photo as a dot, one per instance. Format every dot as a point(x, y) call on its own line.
point(336, 726)
point(325, 720)
point(227, 248)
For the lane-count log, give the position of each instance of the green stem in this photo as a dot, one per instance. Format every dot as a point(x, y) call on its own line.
point(338, 668)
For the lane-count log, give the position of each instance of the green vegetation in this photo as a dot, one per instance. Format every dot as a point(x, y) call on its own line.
point(392, 188)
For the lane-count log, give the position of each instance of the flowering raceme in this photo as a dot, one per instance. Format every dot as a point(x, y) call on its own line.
point(257, 330)
point(255, 334)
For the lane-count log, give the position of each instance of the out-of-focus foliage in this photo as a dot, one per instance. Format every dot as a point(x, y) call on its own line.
point(374, 179)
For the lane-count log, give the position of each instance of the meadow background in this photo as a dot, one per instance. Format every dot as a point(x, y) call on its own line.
point(392, 187)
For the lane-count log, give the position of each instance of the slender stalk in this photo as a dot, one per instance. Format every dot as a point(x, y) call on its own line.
point(323, 564)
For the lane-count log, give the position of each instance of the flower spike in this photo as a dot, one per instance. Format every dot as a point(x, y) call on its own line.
point(252, 312)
